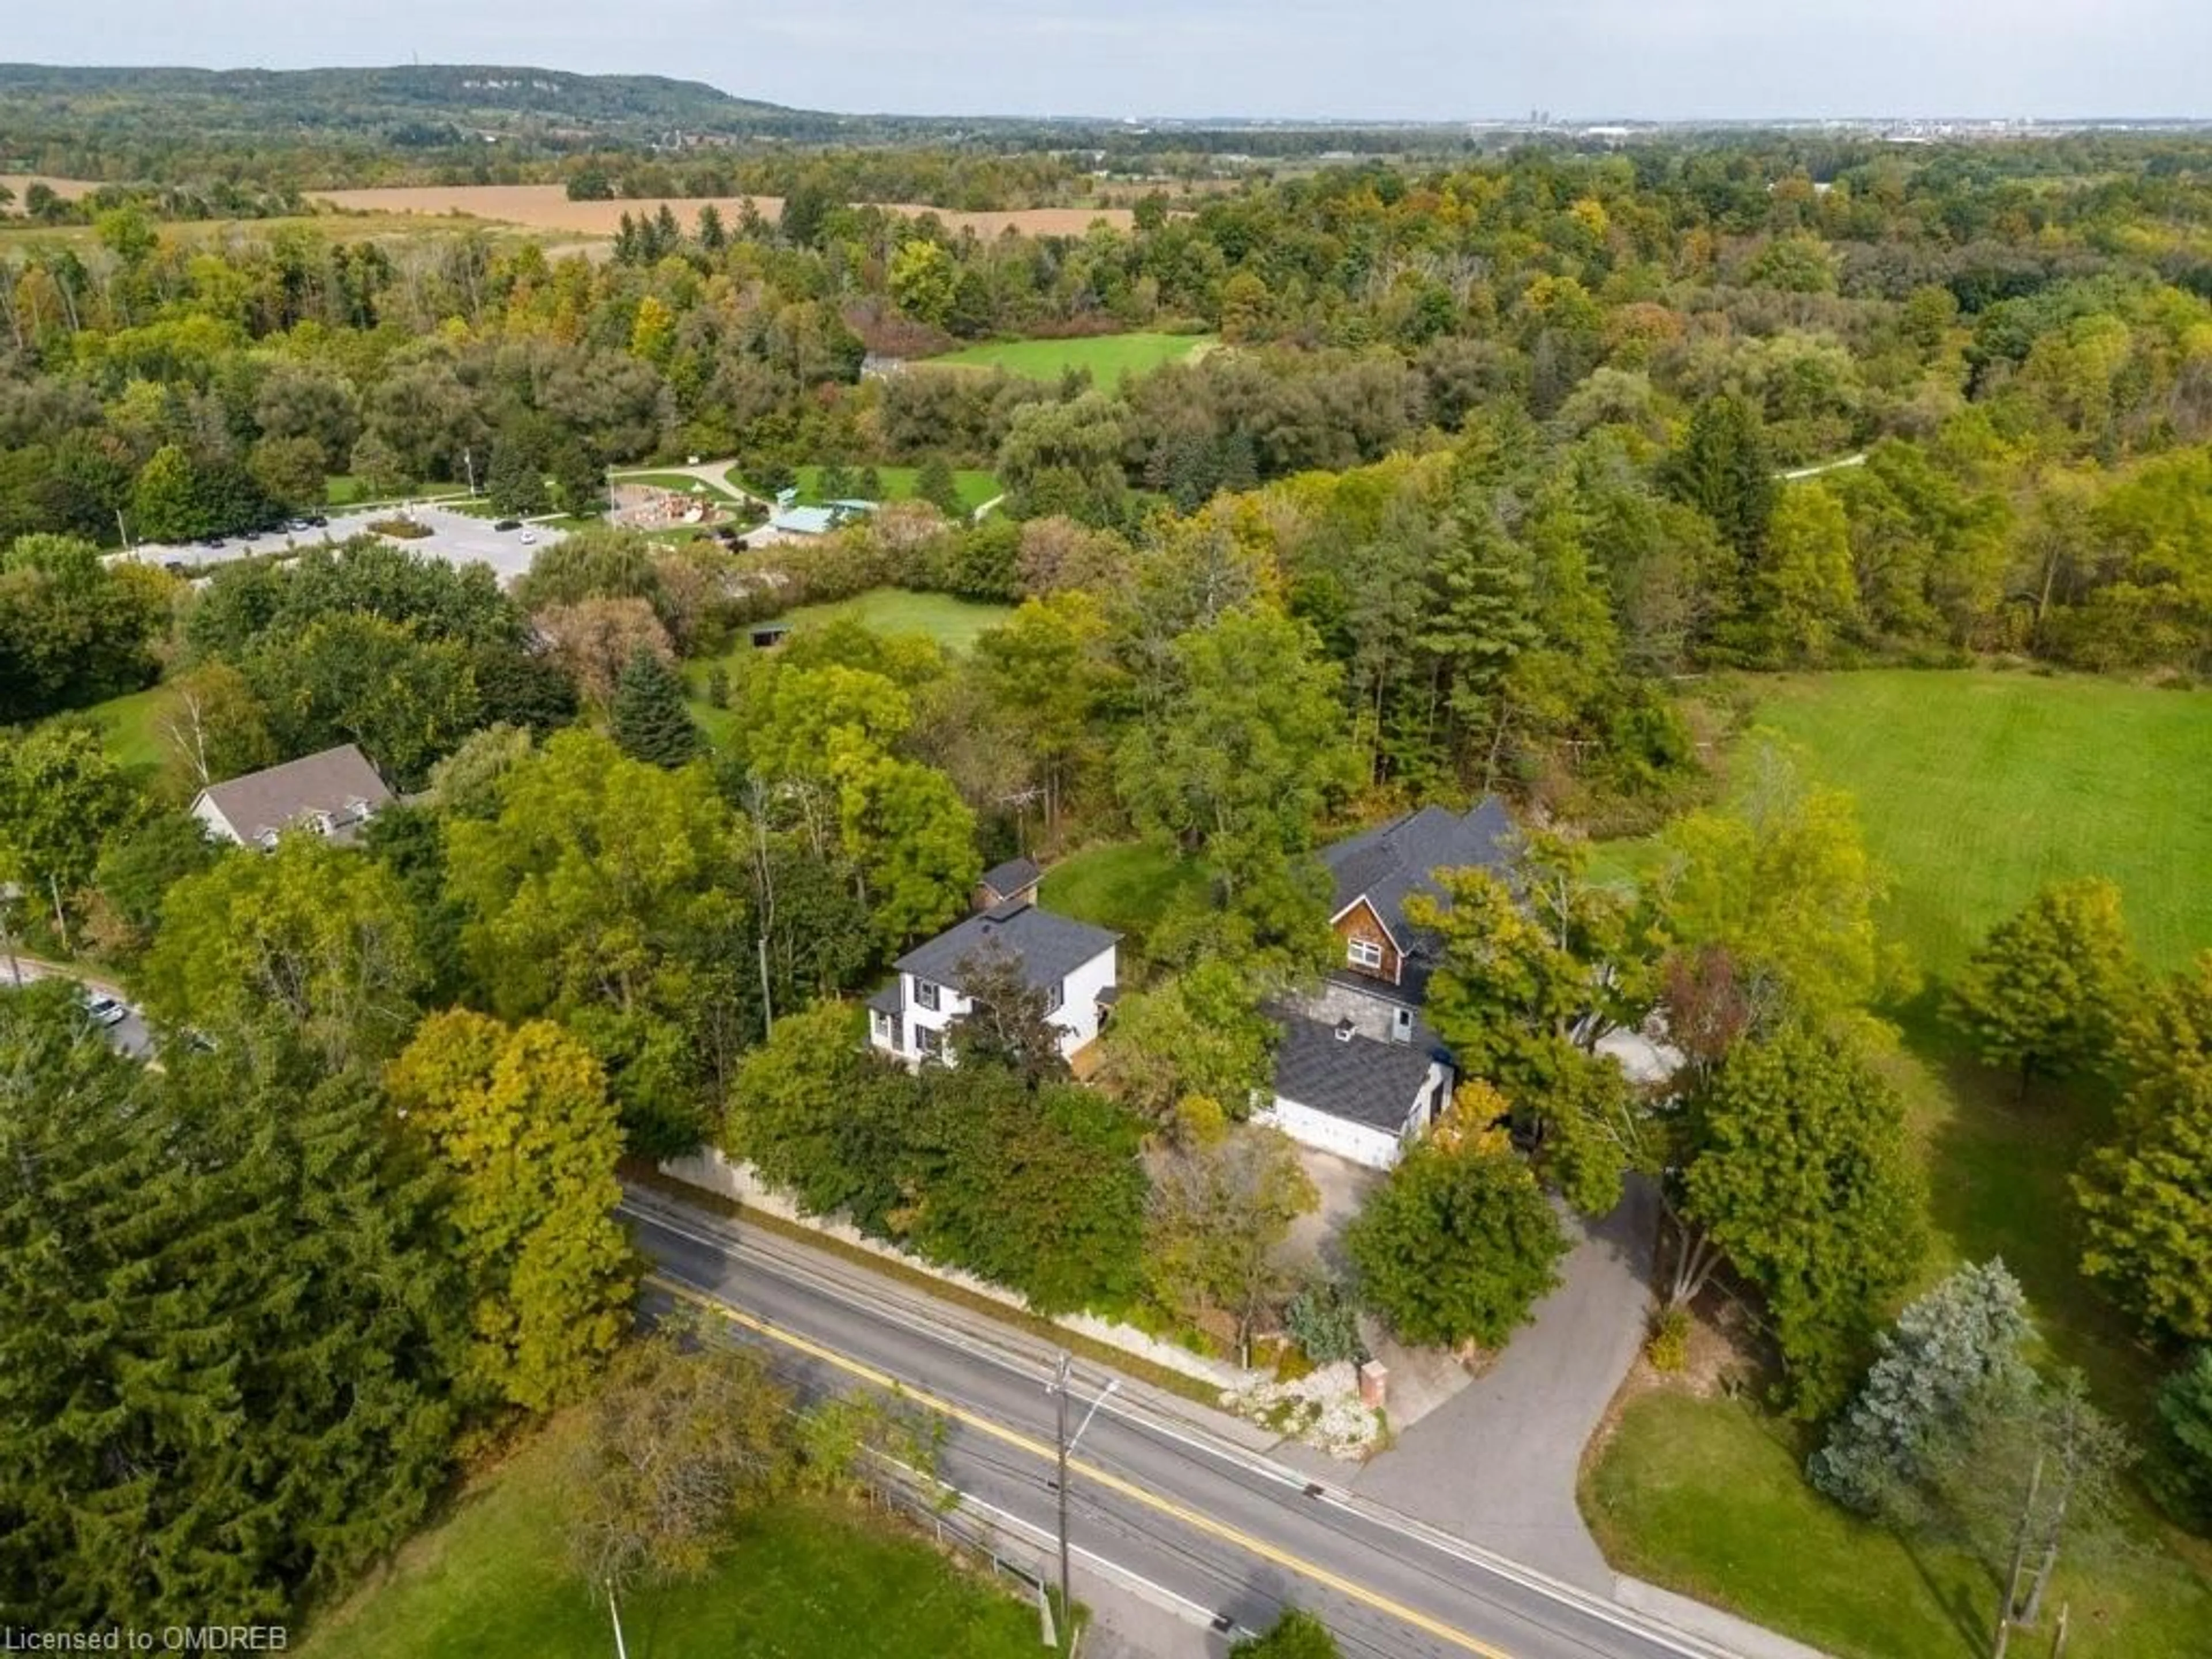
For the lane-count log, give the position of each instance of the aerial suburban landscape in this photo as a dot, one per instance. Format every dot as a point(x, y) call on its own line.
point(1402, 876)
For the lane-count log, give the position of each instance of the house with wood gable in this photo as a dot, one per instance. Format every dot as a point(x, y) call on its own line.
point(1357, 1071)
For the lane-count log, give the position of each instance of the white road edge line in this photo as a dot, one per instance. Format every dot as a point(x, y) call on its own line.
point(1632, 1622)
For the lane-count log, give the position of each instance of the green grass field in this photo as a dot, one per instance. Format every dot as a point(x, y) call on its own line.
point(799, 1581)
point(1974, 788)
point(1127, 886)
point(1707, 1496)
point(975, 486)
point(1108, 356)
point(953, 623)
point(128, 722)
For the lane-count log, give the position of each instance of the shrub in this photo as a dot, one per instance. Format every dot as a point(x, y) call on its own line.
point(1668, 1347)
point(405, 530)
point(1323, 1322)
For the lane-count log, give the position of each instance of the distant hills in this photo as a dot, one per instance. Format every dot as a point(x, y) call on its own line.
point(420, 105)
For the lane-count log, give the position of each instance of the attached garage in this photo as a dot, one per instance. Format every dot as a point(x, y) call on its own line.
point(1339, 1091)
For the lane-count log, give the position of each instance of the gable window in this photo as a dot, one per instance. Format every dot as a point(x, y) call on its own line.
point(1364, 954)
point(925, 994)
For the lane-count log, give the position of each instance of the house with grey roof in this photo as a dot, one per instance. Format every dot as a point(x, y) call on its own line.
point(1071, 962)
point(1004, 883)
point(331, 794)
point(1357, 1071)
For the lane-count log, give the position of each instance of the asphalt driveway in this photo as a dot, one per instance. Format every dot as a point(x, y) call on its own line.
point(1497, 1463)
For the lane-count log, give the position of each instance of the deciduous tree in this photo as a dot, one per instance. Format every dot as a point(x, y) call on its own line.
point(2044, 991)
point(1215, 1222)
point(1458, 1244)
point(2146, 1194)
point(311, 934)
point(520, 1119)
point(1797, 1172)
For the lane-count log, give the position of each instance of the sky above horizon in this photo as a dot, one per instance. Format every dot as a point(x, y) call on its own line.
point(1402, 59)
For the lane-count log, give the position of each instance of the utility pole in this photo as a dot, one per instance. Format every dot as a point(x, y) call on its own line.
point(1058, 1388)
point(622, 1651)
point(1066, 1606)
point(469, 460)
point(61, 921)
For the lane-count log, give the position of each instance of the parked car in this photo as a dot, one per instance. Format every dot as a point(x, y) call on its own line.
point(507, 524)
point(176, 566)
point(529, 537)
point(319, 521)
point(105, 1010)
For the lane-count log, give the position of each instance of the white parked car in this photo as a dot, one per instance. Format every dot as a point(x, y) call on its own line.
point(529, 537)
point(105, 1010)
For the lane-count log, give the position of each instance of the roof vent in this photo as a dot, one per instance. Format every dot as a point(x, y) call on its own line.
point(1345, 1030)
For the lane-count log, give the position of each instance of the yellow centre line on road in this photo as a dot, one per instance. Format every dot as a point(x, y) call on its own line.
point(1037, 1449)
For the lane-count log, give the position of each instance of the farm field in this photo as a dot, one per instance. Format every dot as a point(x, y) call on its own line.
point(547, 207)
point(1109, 357)
point(489, 1584)
point(1973, 789)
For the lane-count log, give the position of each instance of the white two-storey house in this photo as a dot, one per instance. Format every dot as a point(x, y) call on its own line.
point(1071, 962)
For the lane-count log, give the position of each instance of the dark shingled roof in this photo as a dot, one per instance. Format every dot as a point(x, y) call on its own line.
point(1050, 946)
point(1388, 866)
point(280, 797)
point(887, 1001)
point(1014, 876)
point(1361, 1080)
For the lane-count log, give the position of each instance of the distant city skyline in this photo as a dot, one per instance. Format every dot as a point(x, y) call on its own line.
point(1379, 60)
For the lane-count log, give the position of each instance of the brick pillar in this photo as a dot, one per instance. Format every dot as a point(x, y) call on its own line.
point(1374, 1384)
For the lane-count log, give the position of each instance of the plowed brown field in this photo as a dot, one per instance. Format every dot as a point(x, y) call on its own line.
point(547, 207)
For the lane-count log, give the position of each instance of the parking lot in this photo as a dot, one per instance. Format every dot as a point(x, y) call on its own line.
point(456, 537)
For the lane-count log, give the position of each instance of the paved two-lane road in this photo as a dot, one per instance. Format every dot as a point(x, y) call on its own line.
point(1160, 1499)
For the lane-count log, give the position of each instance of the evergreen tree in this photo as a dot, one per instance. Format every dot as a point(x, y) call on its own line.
point(514, 482)
point(648, 719)
point(1721, 467)
point(935, 484)
point(1948, 1349)
point(227, 1326)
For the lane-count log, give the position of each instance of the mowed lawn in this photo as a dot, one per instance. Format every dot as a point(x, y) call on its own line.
point(956, 624)
point(975, 486)
point(1709, 1497)
point(129, 725)
point(1975, 789)
point(1108, 356)
point(1127, 886)
point(801, 1581)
